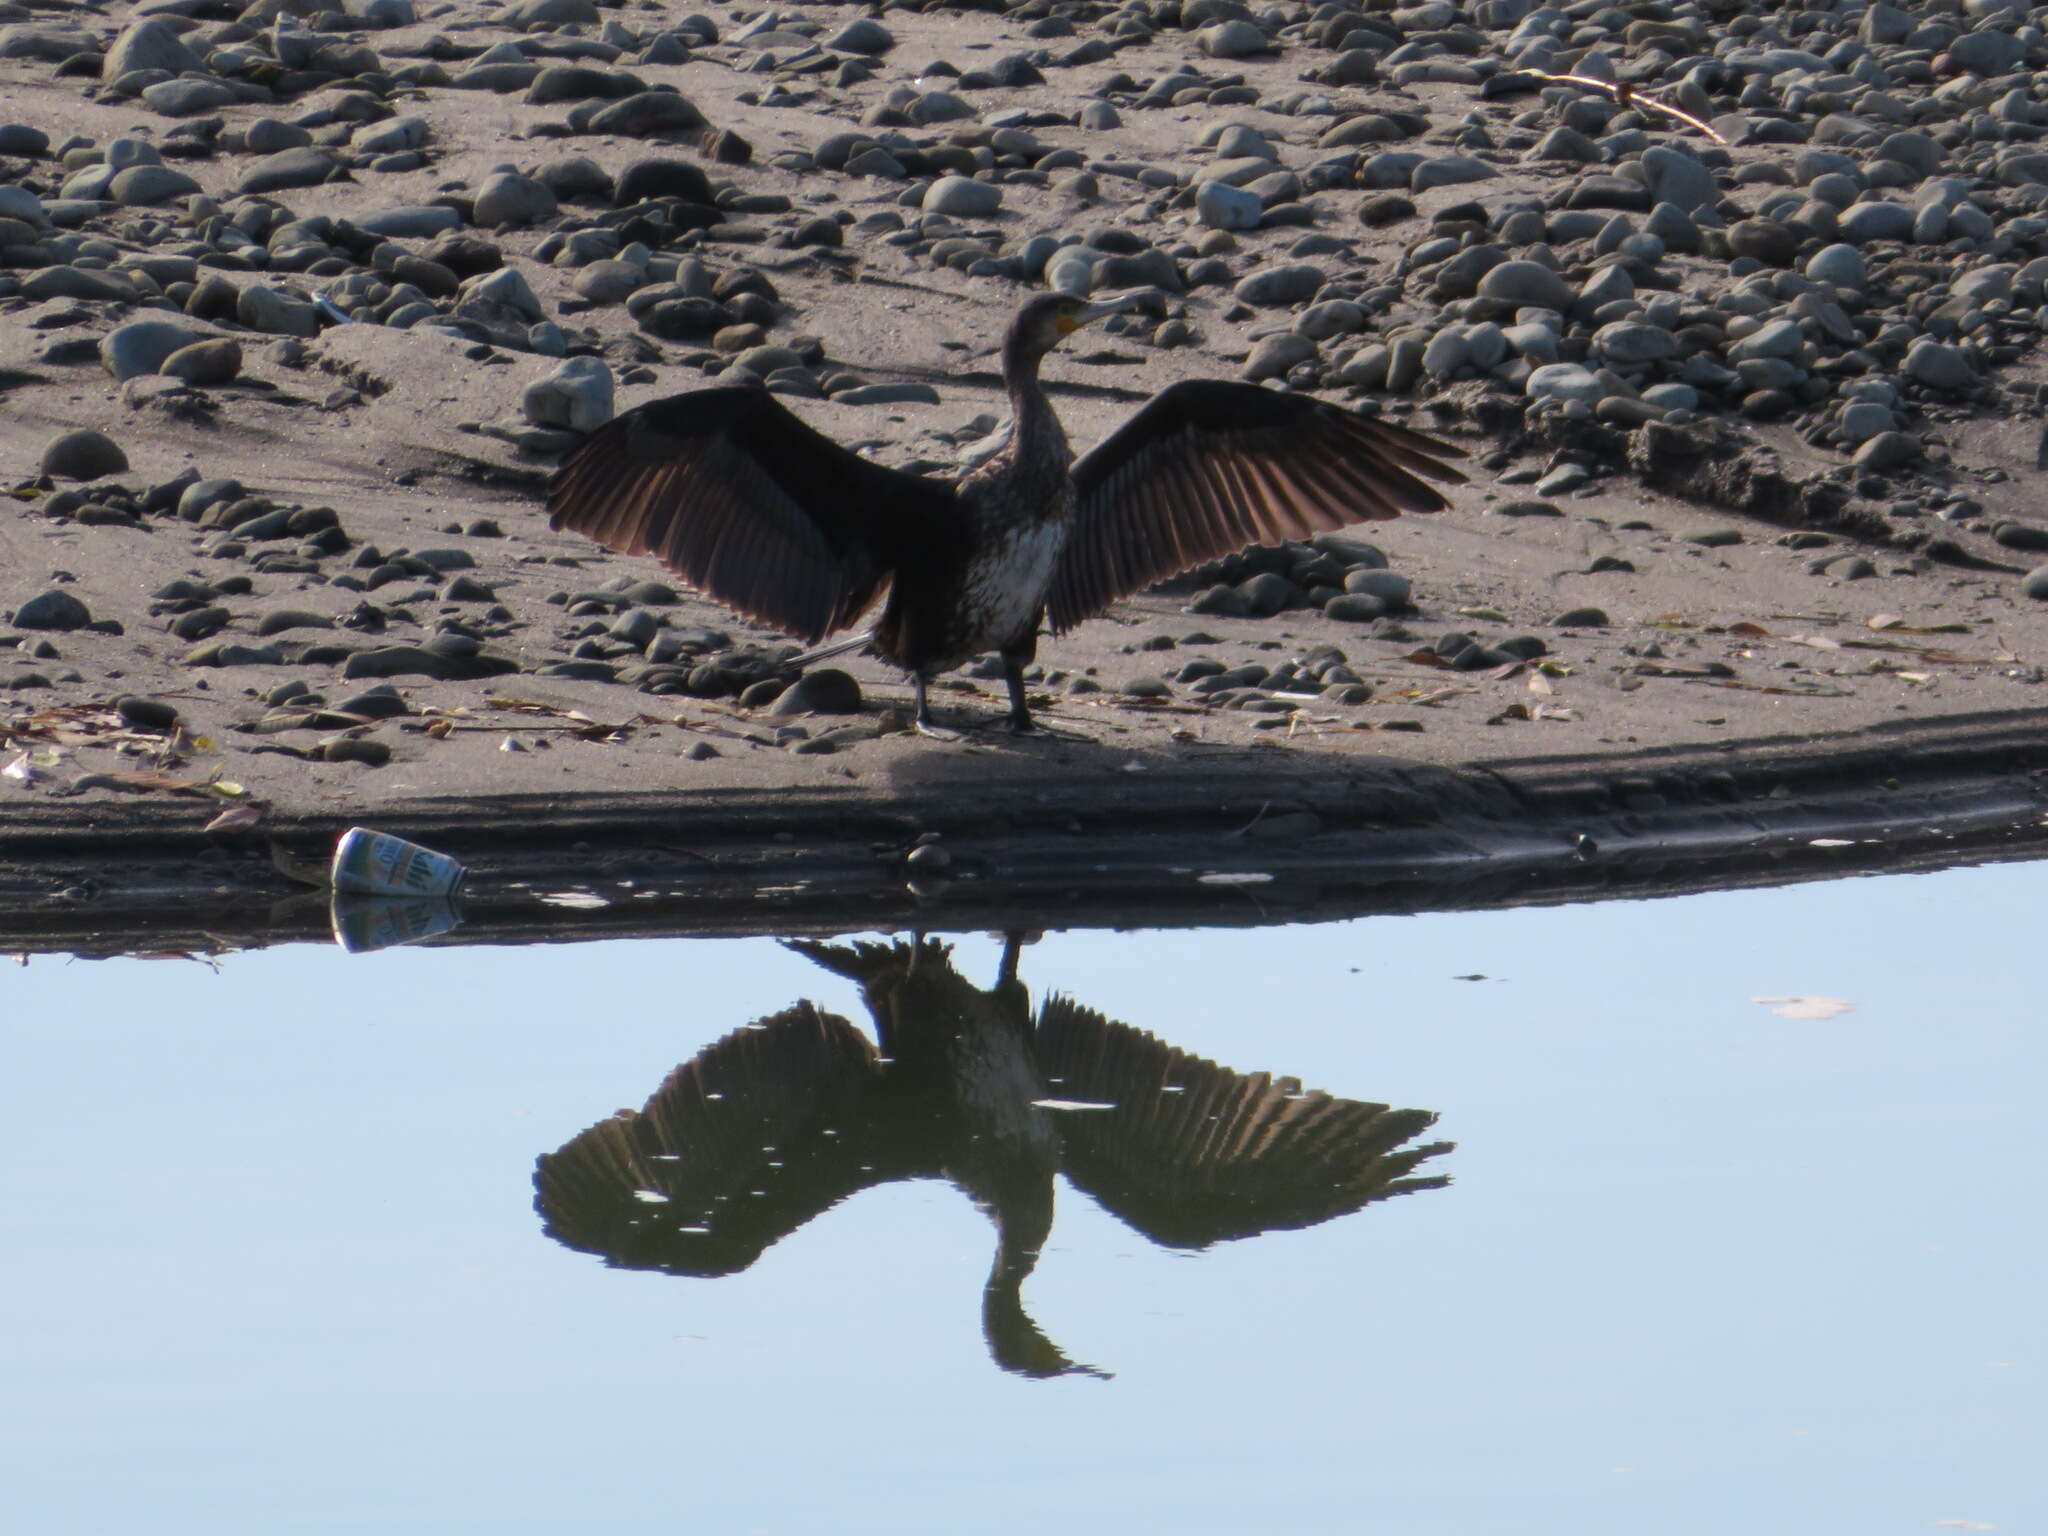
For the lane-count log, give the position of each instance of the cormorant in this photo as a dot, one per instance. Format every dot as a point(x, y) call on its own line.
point(786, 1117)
point(735, 494)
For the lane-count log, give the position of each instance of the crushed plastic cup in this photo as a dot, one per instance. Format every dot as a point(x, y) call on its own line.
point(370, 863)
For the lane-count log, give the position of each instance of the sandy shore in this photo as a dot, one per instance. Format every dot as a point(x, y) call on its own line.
point(1740, 608)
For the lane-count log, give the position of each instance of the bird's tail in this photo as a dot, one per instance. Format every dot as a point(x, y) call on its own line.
point(836, 648)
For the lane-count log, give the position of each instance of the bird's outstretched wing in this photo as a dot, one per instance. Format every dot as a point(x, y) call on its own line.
point(1208, 467)
point(740, 1147)
point(740, 498)
point(1195, 1154)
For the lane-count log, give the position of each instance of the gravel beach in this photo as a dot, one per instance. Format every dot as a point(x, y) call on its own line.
point(300, 304)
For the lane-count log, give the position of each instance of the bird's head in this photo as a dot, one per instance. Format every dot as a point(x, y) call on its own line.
point(1047, 320)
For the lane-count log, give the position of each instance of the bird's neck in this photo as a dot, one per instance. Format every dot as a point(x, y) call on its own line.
point(1030, 408)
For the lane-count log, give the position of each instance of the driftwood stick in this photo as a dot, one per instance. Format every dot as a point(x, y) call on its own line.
point(1627, 96)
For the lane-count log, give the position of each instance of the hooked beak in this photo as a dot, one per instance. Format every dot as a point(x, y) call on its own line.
point(1116, 306)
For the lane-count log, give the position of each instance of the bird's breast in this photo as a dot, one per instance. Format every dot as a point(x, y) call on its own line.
point(1006, 577)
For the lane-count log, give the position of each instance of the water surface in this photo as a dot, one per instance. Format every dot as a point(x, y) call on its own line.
point(275, 1264)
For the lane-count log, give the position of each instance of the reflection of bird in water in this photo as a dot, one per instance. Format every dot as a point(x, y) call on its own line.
point(740, 498)
point(786, 1117)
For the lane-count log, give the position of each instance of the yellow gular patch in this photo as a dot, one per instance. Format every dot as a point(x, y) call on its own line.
point(1069, 322)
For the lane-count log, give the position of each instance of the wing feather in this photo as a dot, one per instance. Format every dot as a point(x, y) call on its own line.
point(747, 503)
point(1194, 1154)
point(1210, 467)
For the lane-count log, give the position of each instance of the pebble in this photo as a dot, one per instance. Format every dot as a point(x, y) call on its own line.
point(576, 393)
point(1281, 286)
point(83, 455)
point(823, 691)
point(1564, 381)
point(962, 197)
point(53, 610)
point(205, 363)
point(286, 169)
point(141, 346)
point(1221, 206)
point(1525, 283)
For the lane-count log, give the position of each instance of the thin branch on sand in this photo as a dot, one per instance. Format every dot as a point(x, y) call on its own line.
point(1627, 97)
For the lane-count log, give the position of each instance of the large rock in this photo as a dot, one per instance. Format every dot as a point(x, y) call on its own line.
point(1526, 284)
point(642, 181)
point(140, 347)
point(287, 168)
point(55, 609)
point(1279, 287)
point(145, 186)
point(648, 112)
point(151, 44)
point(507, 198)
point(576, 393)
point(83, 455)
point(962, 197)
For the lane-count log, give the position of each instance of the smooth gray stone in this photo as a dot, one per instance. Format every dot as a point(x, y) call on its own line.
point(145, 186)
point(1940, 366)
point(55, 609)
point(648, 112)
point(962, 197)
point(287, 168)
point(1862, 420)
point(52, 44)
point(205, 363)
point(149, 44)
point(1221, 206)
point(79, 283)
point(1449, 171)
point(1986, 52)
point(506, 199)
point(1631, 342)
point(1865, 222)
point(393, 136)
point(556, 13)
point(1233, 39)
point(1564, 381)
point(1278, 287)
point(263, 308)
point(1526, 283)
point(83, 455)
point(1679, 179)
point(577, 394)
point(1774, 338)
point(863, 36)
point(888, 394)
point(140, 347)
point(408, 223)
point(1273, 356)
point(508, 287)
point(188, 98)
point(1840, 265)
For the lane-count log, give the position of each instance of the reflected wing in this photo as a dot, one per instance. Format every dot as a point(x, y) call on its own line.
point(1209, 467)
point(1195, 1154)
point(744, 501)
point(731, 1154)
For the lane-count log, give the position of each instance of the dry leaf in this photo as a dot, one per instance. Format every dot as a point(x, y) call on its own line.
point(236, 818)
point(1538, 683)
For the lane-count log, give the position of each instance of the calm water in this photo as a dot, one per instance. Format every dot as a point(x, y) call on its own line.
point(274, 1263)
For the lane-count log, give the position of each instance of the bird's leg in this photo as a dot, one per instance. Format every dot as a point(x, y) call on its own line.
point(1015, 659)
point(922, 723)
